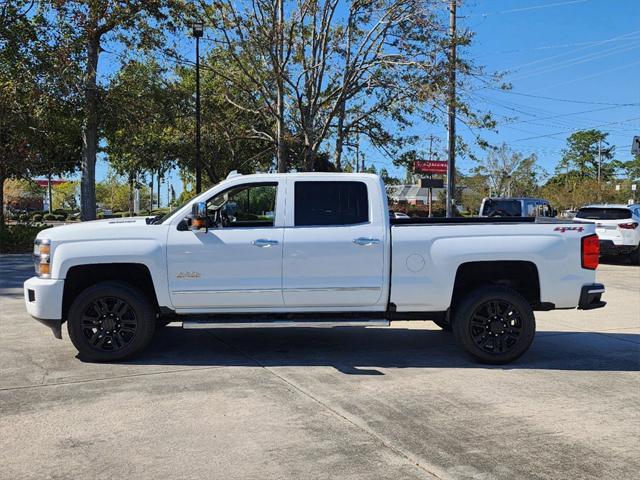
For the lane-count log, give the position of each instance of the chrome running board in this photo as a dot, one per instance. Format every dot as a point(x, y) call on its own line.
point(203, 324)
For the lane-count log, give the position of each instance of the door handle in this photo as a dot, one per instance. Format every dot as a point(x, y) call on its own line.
point(263, 242)
point(365, 241)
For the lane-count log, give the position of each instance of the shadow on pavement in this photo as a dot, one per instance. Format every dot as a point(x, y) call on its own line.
point(361, 351)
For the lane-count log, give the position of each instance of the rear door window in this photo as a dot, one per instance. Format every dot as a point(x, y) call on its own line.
point(597, 213)
point(331, 203)
point(502, 208)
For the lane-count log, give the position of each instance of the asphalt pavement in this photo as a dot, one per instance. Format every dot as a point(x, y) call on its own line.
point(401, 403)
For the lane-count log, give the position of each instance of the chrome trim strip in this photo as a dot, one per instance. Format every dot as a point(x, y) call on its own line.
point(333, 289)
point(213, 292)
point(600, 290)
point(271, 290)
point(194, 325)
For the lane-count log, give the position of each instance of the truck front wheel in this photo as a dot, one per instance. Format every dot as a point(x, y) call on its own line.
point(494, 324)
point(110, 321)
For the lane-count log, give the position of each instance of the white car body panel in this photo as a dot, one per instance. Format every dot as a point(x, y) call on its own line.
point(426, 259)
point(311, 269)
point(324, 267)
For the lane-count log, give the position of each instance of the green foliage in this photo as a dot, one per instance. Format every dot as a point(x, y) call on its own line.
point(584, 149)
point(50, 216)
point(509, 174)
point(65, 196)
point(18, 238)
point(37, 218)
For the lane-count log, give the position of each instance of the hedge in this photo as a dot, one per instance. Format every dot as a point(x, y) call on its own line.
point(19, 238)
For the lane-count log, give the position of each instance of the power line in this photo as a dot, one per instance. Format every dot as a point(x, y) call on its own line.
point(567, 100)
point(565, 131)
point(534, 7)
point(576, 61)
point(559, 55)
point(601, 72)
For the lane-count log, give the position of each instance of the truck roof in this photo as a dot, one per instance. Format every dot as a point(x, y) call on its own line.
point(234, 174)
point(517, 198)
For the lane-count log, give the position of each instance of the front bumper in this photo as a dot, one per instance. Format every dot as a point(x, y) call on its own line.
point(43, 299)
point(590, 297)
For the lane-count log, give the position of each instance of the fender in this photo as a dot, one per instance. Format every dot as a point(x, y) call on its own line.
point(148, 252)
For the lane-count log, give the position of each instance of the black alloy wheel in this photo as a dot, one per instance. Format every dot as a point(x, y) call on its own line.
point(111, 321)
point(494, 324)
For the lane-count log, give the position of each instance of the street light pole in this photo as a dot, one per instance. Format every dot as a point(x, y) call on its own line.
point(198, 30)
point(451, 167)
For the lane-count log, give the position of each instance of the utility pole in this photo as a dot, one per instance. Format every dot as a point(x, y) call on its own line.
point(451, 164)
point(430, 177)
point(198, 32)
point(599, 166)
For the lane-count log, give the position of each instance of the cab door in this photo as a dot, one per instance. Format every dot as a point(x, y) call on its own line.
point(334, 245)
point(236, 265)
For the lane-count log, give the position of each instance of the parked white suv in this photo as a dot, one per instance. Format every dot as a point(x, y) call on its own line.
point(617, 226)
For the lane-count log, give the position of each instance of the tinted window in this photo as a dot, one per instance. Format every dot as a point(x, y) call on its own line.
point(604, 213)
point(502, 208)
point(246, 206)
point(331, 203)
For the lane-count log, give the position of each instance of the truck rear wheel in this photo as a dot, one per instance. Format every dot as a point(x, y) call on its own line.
point(110, 321)
point(494, 324)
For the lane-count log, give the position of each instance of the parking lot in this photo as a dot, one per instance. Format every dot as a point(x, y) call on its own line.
point(399, 403)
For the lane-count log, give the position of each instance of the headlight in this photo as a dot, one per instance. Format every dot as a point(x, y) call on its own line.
point(42, 257)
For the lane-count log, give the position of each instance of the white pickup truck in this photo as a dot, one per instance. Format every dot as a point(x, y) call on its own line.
point(310, 250)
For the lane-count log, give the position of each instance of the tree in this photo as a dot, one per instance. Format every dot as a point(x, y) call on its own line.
point(233, 138)
point(65, 196)
point(83, 29)
point(38, 133)
point(509, 173)
point(632, 168)
point(142, 109)
point(329, 70)
point(586, 154)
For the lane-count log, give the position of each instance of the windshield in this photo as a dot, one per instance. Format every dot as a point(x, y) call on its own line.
point(158, 219)
point(597, 213)
point(501, 208)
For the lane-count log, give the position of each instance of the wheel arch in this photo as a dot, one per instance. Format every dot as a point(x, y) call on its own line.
point(81, 277)
point(519, 275)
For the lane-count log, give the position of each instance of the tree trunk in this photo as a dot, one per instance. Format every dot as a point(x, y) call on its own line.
point(90, 133)
point(159, 186)
point(280, 145)
point(2, 179)
point(337, 154)
point(132, 194)
point(49, 193)
point(151, 193)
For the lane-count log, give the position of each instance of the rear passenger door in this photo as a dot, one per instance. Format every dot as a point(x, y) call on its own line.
point(334, 245)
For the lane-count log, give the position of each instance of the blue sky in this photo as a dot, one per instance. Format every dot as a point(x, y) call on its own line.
point(573, 64)
point(569, 51)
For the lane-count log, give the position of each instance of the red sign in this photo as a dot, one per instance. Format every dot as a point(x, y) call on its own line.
point(430, 166)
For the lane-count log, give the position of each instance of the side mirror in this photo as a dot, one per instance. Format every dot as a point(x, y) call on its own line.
point(199, 217)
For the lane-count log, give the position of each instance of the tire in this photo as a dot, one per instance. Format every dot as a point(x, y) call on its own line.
point(444, 325)
point(494, 324)
point(634, 257)
point(110, 321)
